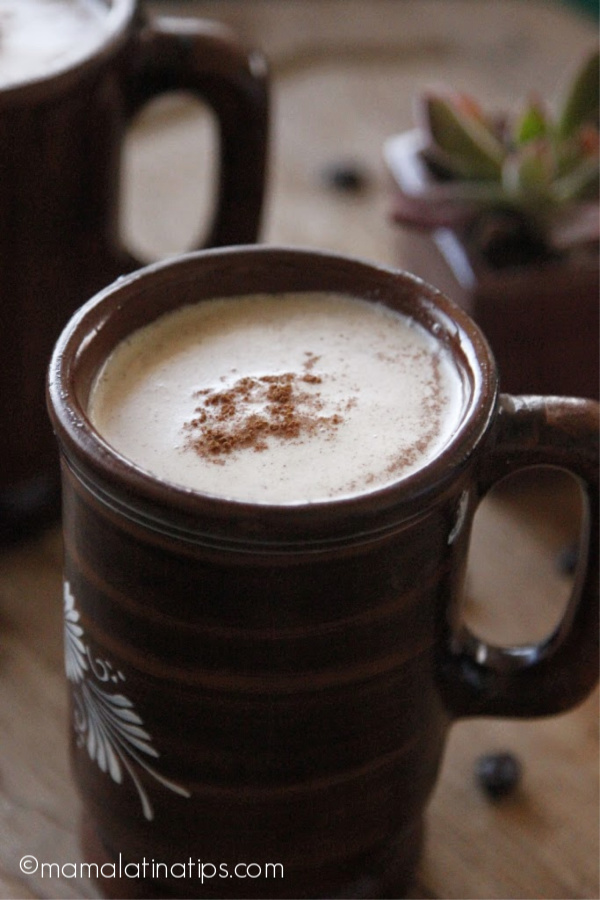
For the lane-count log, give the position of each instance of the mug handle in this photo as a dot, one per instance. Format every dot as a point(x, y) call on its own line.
point(206, 59)
point(546, 678)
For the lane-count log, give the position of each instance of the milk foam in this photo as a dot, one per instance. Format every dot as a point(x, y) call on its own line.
point(373, 396)
point(40, 37)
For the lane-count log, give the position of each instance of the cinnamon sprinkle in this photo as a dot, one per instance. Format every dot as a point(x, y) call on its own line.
point(254, 409)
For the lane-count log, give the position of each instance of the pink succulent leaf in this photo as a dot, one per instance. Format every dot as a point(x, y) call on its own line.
point(421, 212)
point(580, 225)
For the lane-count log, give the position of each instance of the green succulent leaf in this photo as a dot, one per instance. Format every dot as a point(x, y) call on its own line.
point(532, 124)
point(529, 173)
point(542, 167)
point(582, 101)
point(466, 143)
point(581, 183)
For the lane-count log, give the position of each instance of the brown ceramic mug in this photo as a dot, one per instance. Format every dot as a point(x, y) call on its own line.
point(272, 684)
point(61, 137)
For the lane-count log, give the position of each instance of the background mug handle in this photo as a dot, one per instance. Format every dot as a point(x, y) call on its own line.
point(554, 675)
point(205, 59)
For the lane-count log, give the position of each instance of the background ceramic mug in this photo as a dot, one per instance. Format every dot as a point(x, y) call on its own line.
point(61, 137)
point(274, 684)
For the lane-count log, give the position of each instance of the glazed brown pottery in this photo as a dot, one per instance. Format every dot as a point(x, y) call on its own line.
point(263, 684)
point(541, 314)
point(60, 144)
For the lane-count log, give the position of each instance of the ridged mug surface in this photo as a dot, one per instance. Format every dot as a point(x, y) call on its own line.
point(265, 685)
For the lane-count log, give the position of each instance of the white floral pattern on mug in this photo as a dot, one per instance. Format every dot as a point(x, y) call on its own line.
point(106, 722)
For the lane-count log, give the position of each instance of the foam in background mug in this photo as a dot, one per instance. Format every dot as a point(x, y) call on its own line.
point(272, 682)
point(73, 73)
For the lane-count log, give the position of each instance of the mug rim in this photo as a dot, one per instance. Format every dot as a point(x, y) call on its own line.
point(175, 509)
point(120, 13)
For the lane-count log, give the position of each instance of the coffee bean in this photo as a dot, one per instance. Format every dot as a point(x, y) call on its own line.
point(498, 774)
point(345, 176)
point(567, 559)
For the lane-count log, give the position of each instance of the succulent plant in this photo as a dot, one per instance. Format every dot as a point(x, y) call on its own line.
point(533, 168)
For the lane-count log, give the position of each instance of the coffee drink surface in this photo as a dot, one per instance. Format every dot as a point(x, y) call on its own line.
point(279, 399)
point(40, 37)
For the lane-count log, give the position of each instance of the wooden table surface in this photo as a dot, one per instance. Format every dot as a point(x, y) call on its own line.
point(344, 73)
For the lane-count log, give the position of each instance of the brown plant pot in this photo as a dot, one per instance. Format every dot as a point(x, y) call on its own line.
point(541, 318)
